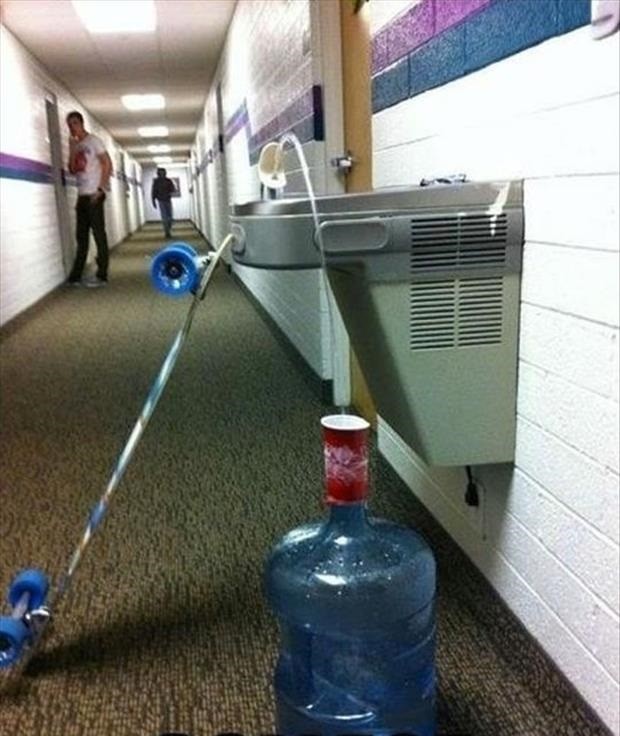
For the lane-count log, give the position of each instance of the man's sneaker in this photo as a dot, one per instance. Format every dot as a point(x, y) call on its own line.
point(78, 282)
point(95, 282)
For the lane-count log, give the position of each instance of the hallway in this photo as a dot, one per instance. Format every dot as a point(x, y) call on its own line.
point(166, 627)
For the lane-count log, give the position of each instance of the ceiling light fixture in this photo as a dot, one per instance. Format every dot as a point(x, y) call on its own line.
point(144, 102)
point(153, 131)
point(162, 159)
point(128, 16)
point(160, 148)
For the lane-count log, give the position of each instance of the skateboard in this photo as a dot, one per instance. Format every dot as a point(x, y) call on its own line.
point(176, 270)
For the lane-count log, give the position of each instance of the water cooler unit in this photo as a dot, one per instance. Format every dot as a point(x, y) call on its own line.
point(427, 280)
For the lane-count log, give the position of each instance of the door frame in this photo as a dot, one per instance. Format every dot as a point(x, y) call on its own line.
point(327, 69)
point(58, 179)
point(356, 42)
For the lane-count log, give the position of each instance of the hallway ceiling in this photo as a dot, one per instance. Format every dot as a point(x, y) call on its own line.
point(178, 60)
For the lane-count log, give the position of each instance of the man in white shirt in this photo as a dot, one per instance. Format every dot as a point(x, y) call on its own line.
point(92, 165)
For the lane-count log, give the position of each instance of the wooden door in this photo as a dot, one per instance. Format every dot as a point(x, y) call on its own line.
point(357, 112)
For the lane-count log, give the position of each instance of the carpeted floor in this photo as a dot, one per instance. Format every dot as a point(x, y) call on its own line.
point(166, 628)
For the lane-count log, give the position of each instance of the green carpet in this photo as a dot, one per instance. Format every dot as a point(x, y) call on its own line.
point(166, 627)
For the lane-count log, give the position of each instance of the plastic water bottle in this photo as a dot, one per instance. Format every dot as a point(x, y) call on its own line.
point(355, 601)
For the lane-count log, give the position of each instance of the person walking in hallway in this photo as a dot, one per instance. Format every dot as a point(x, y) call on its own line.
point(161, 192)
point(92, 165)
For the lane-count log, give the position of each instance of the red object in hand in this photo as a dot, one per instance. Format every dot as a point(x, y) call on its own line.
point(345, 449)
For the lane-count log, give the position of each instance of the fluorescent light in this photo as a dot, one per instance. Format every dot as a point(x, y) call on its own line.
point(143, 102)
point(162, 159)
point(153, 131)
point(127, 16)
point(160, 148)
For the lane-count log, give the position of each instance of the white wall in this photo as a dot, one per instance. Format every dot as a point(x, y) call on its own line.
point(31, 262)
point(549, 539)
point(180, 205)
point(273, 54)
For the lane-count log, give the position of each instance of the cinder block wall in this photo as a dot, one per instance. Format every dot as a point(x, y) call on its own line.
point(268, 73)
point(503, 89)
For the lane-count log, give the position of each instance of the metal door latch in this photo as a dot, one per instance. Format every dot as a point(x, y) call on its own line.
point(343, 163)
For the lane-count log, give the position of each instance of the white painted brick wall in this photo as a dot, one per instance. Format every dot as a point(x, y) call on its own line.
point(31, 256)
point(290, 297)
point(441, 491)
point(550, 545)
point(582, 419)
point(564, 592)
point(584, 486)
point(589, 207)
point(268, 62)
point(580, 350)
point(582, 550)
point(202, 147)
point(578, 281)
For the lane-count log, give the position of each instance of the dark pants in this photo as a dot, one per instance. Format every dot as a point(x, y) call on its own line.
point(90, 216)
point(165, 209)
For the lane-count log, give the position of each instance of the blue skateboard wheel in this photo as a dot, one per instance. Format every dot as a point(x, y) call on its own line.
point(175, 269)
point(183, 246)
point(32, 581)
point(13, 635)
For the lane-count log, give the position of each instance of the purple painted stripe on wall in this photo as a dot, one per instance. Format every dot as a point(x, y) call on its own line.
point(406, 32)
point(256, 145)
point(30, 166)
point(416, 26)
point(239, 120)
point(450, 12)
point(24, 164)
point(239, 113)
point(299, 109)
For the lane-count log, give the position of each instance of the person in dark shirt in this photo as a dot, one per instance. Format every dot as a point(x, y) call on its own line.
point(161, 192)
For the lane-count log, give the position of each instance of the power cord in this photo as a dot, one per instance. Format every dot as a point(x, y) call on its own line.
point(472, 498)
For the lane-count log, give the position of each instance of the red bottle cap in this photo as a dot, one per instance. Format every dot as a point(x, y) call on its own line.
point(345, 448)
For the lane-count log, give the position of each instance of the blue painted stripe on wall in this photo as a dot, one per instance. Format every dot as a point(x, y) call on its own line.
point(572, 14)
point(24, 169)
point(498, 30)
point(507, 27)
point(439, 62)
point(23, 175)
point(391, 86)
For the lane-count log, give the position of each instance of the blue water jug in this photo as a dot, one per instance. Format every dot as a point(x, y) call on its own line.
point(355, 601)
